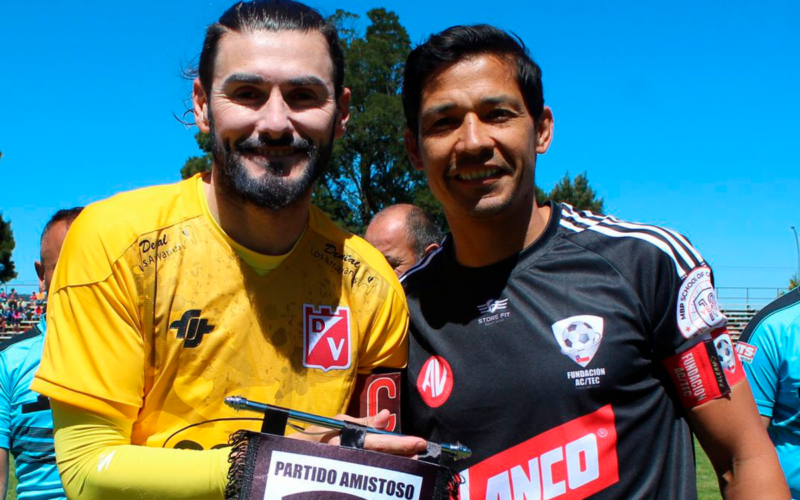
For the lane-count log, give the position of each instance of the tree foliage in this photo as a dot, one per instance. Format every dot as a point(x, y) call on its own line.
point(576, 192)
point(369, 169)
point(794, 282)
point(7, 272)
point(197, 164)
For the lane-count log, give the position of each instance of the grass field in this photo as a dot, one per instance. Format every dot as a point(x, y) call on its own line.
point(707, 488)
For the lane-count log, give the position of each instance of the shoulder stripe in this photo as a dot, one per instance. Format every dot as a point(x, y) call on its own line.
point(677, 241)
point(675, 246)
point(686, 243)
point(33, 332)
point(423, 263)
point(788, 301)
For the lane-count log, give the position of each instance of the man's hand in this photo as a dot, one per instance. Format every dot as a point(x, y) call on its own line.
point(406, 446)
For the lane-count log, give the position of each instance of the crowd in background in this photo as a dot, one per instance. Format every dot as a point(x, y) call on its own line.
point(19, 311)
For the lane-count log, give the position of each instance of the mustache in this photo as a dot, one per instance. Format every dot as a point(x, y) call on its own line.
point(269, 142)
point(478, 158)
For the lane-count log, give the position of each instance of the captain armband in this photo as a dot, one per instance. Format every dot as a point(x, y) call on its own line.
point(697, 374)
point(706, 370)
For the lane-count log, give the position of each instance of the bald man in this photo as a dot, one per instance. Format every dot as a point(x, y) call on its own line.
point(404, 234)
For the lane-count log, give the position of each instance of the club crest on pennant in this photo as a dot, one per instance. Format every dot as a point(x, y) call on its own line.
point(579, 337)
point(326, 337)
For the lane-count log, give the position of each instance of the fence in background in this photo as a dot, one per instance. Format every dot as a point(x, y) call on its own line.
point(740, 304)
point(21, 288)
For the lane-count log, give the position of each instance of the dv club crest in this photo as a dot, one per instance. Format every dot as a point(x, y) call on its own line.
point(579, 337)
point(326, 337)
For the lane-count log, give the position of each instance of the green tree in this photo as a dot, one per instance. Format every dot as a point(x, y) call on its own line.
point(197, 164)
point(794, 282)
point(369, 169)
point(576, 192)
point(7, 272)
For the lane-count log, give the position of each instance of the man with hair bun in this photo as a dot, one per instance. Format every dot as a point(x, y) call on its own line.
point(574, 353)
point(171, 298)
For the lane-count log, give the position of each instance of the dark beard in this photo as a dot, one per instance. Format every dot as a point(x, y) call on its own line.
point(271, 191)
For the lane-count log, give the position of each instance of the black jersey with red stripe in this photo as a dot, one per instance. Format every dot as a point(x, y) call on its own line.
point(548, 365)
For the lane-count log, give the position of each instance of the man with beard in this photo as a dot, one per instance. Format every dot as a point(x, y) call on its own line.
point(169, 299)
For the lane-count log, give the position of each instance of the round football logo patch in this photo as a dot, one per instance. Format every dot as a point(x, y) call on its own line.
point(435, 381)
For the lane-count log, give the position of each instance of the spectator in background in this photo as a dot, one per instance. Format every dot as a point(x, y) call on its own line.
point(26, 424)
point(404, 234)
point(769, 349)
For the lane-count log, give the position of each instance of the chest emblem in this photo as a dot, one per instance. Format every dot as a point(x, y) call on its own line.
point(492, 306)
point(326, 338)
point(492, 311)
point(191, 328)
point(435, 381)
point(579, 337)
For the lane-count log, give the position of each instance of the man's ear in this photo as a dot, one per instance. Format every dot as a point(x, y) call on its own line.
point(412, 149)
point(343, 108)
point(430, 248)
point(40, 273)
point(200, 103)
point(544, 131)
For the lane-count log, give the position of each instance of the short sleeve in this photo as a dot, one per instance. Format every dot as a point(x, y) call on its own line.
point(386, 341)
point(5, 405)
point(763, 368)
point(93, 355)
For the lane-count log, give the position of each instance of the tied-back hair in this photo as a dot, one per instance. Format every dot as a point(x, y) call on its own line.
point(268, 15)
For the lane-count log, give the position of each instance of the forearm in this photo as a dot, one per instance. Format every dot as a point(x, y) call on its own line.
point(3, 473)
point(97, 462)
point(733, 436)
point(756, 476)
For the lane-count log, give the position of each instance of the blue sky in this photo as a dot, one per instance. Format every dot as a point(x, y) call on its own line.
point(683, 113)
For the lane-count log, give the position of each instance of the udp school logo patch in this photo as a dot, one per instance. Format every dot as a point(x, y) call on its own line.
point(698, 310)
point(326, 337)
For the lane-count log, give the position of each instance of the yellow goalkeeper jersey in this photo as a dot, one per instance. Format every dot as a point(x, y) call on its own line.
point(154, 317)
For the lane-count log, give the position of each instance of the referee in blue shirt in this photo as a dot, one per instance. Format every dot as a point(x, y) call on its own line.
point(770, 352)
point(26, 424)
